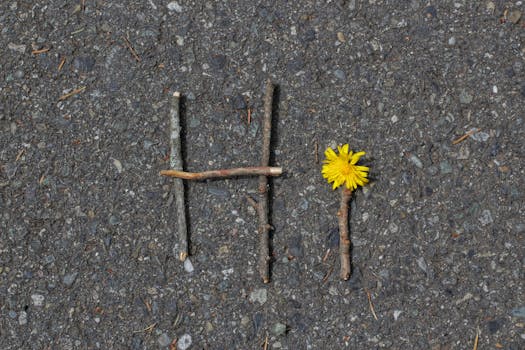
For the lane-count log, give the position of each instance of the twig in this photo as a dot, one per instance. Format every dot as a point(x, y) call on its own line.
point(178, 185)
point(464, 137)
point(476, 340)
point(72, 93)
point(131, 49)
point(344, 237)
point(371, 304)
point(61, 64)
point(222, 173)
point(40, 51)
point(265, 345)
point(250, 200)
point(262, 207)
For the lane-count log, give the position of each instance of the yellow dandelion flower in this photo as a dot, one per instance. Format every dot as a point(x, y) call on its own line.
point(342, 169)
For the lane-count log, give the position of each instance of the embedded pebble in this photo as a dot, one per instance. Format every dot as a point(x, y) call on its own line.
point(259, 295)
point(38, 299)
point(164, 340)
point(22, 318)
point(396, 314)
point(339, 74)
point(175, 6)
point(464, 97)
point(486, 217)
point(445, 167)
point(279, 329)
point(184, 342)
point(117, 165)
point(416, 161)
point(69, 279)
point(20, 48)
point(452, 41)
point(188, 266)
point(518, 312)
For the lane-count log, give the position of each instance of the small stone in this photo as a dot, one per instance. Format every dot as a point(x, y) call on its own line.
point(515, 16)
point(393, 228)
point(339, 74)
point(416, 161)
point(486, 217)
point(279, 329)
point(84, 64)
point(174, 6)
point(394, 119)
point(163, 340)
point(239, 102)
point(259, 295)
point(188, 266)
point(430, 12)
point(117, 165)
point(490, 6)
point(396, 314)
point(452, 41)
point(518, 312)
point(38, 299)
point(464, 97)
point(245, 321)
point(12, 314)
point(113, 220)
point(184, 342)
point(69, 279)
point(333, 291)
point(209, 326)
point(480, 136)
point(219, 192)
point(445, 167)
point(341, 37)
point(20, 48)
point(422, 264)
point(22, 318)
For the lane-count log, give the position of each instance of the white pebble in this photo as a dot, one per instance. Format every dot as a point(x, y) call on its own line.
point(188, 266)
point(452, 41)
point(38, 299)
point(184, 342)
point(394, 119)
point(396, 314)
point(174, 6)
point(495, 89)
point(117, 165)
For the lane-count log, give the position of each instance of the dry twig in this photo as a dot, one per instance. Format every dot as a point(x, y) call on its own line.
point(464, 137)
point(131, 49)
point(40, 51)
point(262, 207)
point(344, 237)
point(72, 93)
point(371, 304)
point(223, 173)
point(178, 185)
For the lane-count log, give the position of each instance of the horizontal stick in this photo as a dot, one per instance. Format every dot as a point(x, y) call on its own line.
point(223, 173)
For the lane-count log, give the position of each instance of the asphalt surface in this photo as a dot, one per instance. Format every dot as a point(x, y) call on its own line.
point(87, 224)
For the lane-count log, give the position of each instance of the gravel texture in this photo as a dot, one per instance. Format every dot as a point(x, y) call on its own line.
point(87, 225)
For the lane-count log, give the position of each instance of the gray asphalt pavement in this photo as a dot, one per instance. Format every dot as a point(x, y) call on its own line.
point(432, 91)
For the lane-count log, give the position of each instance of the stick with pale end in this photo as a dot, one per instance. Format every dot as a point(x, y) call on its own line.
point(181, 247)
point(224, 173)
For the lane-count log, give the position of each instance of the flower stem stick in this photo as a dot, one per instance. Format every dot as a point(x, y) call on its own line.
point(342, 169)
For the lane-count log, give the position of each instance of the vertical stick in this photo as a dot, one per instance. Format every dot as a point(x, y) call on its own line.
point(181, 248)
point(344, 237)
point(262, 205)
